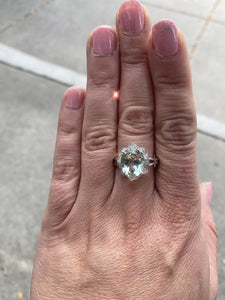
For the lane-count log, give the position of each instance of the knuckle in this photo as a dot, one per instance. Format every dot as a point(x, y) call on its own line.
point(134, 56)
point(66, 127)
point(65, 169)
point(98, 137)
point(136, 120)
point(104, 79)
point(178, 132)
point(169, 81)
point(61, 199)
point(61, 196)
point(65, 144)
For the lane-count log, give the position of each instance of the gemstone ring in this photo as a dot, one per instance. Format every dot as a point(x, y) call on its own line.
point(134, 161)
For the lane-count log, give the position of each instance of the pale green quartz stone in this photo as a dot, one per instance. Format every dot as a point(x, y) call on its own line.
point(133, 161)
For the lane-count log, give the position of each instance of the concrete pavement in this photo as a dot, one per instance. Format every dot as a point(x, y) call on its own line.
point(56, 31)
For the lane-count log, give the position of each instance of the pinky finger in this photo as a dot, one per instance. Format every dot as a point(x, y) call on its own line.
point(67, 158)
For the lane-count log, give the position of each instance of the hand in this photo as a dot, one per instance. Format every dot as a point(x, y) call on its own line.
point(104, 236)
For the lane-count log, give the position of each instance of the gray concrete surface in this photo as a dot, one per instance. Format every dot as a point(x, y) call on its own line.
point(28, 117)
point(194, 7)
point(11, 11)
point(210, 100)
point(29, 105)
point(220, 13)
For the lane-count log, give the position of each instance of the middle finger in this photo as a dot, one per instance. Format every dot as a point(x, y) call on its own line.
point(136, 105)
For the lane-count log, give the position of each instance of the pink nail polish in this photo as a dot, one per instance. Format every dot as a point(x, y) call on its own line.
point(209, 188)
point(74, 98)
point(165, 38)
point(131, 16)
point(104, 41)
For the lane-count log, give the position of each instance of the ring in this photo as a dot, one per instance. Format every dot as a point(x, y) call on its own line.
point(134, 161)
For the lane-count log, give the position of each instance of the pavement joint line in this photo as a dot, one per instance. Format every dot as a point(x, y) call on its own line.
point(28, 63)
point(28, 14)
point(179, 11)
point(204, 27)
point(31, 64)
point(183, 12)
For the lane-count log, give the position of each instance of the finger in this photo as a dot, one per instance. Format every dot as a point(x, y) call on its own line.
point(210, 230)
point(136, 105)
point(175, 121)
point(66, 164)
point(99, 136)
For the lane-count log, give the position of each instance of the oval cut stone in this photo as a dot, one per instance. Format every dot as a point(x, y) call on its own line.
point(133, 161)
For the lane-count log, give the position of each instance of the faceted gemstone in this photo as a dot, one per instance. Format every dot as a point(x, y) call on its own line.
point(133, 161)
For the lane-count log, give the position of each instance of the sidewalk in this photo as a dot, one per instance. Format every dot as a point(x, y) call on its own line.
point(56, 31)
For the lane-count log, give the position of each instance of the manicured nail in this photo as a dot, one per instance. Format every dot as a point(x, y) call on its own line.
point(131, 17)
point(209, 187)
point(74, 98)
point(165, 38)
point(104, 41)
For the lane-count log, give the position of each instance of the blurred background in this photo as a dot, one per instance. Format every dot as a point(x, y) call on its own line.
point(42, 52)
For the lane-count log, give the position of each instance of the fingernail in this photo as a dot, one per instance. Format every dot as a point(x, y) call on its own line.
point(131, 17)
point(165, 38)
point(209, 188)
point(104, 41)
point(74, 98)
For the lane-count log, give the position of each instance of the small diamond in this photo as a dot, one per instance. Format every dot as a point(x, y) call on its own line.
point(133, 161)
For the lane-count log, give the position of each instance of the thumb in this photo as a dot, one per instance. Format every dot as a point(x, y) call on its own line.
point(210, 230)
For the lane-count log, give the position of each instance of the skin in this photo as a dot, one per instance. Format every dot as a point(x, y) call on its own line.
point(104, 236)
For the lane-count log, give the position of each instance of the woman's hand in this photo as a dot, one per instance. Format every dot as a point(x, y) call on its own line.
point(104, 236)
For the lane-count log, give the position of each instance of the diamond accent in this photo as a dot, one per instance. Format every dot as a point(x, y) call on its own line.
point(133, 161)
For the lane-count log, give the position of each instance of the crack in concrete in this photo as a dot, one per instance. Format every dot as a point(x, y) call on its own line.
point(203, 30)
point(30, 13)
point(182, 12)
